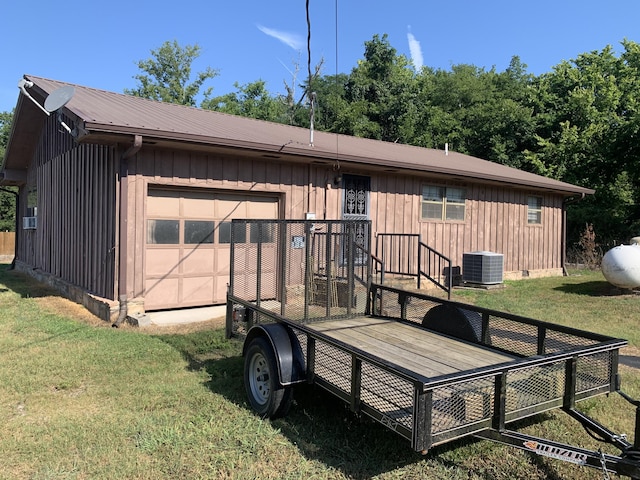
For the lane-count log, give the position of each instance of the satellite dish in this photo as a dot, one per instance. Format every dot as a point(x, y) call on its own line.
point(59, 98)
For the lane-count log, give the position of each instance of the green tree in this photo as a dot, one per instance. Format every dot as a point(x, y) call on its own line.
point(588, 119)
point(381, 95)
point(250, 100)
point(478, 112)
point(167, 75)
point(7, 199)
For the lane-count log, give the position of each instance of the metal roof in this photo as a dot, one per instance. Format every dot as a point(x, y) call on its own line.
point(103, 114)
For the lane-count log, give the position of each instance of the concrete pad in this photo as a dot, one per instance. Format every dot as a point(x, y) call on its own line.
point(186, 315)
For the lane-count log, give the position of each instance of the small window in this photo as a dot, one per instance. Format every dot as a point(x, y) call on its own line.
point(198, 231)
point(534, 210)
point(262, 232)
point(443, 203)
point(163, 232)
point(224, 232)
point(32, 202)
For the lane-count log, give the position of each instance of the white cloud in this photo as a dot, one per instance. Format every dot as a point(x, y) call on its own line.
point(416, 51)
point(291, 39)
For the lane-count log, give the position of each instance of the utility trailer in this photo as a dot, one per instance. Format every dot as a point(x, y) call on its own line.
point(309, 300)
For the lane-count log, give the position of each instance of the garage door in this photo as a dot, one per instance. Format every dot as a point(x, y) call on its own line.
point(187, 249)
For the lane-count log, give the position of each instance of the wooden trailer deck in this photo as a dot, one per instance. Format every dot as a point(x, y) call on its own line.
point(426, 353)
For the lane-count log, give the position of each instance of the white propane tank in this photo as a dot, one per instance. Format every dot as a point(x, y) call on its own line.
point(621, 266)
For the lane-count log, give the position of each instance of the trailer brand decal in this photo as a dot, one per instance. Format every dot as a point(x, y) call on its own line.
point(389, 422)
point(556, 452)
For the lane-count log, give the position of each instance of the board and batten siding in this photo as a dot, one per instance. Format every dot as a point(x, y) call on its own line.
point(78, 208)
point(495, 217)
point(75, 238)
point(495, 220)
point(298, 189)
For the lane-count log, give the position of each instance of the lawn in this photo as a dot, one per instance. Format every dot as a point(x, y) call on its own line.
point(82, 400)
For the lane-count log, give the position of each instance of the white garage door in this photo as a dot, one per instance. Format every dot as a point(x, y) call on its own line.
point(187, 249)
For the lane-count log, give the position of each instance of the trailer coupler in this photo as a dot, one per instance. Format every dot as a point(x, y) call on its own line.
point(622, 465)
point(635, 403)
point(627, 463)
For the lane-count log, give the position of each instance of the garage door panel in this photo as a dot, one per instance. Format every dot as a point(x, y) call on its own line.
point(228, 207)
point(198, 262)
point(163, 203)
point(200, 205)
point(223, 261)
point(197, 289)
point(162, 261)
point(162, 291)
point(262, 208)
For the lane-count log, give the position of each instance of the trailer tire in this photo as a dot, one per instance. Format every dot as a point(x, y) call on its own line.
point(455, 321)
point(267, 396)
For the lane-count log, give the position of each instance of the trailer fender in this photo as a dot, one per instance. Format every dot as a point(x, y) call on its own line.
point(455, 321)
point(287, 350)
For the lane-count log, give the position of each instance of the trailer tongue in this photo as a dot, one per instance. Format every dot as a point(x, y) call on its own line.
point(310, 301)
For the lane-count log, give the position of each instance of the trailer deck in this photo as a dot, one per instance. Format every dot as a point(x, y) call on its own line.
point(409, 347)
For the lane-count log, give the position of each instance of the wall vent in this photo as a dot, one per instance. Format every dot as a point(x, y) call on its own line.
point(482, 267)
point(29, 223)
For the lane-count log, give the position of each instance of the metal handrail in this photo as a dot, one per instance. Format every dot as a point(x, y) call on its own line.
point(435, 262)
point(406, 254)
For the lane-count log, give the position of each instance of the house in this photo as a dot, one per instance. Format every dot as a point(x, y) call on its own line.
point(127, 202)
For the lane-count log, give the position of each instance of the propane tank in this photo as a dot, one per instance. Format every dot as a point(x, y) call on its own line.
point(621, 266)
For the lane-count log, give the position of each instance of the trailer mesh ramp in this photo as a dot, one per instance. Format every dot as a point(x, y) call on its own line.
point(299, 270)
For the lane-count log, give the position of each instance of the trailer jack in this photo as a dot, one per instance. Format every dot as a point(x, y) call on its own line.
point(627, 463)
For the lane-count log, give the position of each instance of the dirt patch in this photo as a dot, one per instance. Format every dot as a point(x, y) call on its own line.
point(68, 308)
point(63, 306)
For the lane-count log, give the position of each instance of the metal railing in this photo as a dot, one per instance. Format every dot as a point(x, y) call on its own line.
point(406, 254)
point(433, 265)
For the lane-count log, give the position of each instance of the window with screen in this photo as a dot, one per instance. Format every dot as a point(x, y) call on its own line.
point(443, 203)
point(534, 210)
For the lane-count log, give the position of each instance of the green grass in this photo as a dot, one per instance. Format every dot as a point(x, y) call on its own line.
point(81, 400)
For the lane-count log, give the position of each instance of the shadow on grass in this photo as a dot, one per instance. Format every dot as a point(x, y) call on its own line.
point(592, 289)
point(319, 424)
point(23, 284)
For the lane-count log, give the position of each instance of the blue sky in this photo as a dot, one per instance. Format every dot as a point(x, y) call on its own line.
point(97, 44)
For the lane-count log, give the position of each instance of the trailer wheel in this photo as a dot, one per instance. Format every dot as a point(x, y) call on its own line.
point(267, 397)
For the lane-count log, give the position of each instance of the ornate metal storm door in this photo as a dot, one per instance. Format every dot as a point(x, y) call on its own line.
point(355, 203)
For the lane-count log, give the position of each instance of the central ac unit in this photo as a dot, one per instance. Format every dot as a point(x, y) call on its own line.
point(29, 223)
point(482, 267)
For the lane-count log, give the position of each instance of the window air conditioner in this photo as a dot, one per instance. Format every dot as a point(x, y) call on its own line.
point(29, 223)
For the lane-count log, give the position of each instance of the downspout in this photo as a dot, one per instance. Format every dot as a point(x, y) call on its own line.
point(17, 227)
point(563, 248)
point(122, 247)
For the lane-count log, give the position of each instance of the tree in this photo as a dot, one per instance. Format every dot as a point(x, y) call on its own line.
point(166, 76)
point(478, 112)
point(588, 123)
point(251, 100)
point(7, 200)
point(381, 95)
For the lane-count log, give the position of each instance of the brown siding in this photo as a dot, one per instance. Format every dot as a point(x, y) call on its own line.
point(75, 236)
point(496, 218)
point(77, 202)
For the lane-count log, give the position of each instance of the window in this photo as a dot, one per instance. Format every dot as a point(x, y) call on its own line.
point(32, 202)
point(443, 203)
point(534, 210)
point(166, 232)
point(198, 231)
point(239, 234)
point(262, 232)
